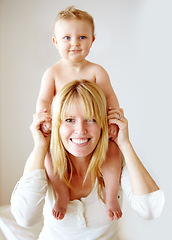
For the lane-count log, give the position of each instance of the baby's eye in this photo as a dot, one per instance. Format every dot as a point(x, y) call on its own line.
point(82, 37)
point(66, 37)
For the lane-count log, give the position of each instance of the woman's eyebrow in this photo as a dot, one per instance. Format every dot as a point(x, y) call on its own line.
point(69, 116)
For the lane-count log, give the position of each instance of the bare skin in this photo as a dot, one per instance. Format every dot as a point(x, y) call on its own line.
point(60, 207)
point(73, 40)
point(87, 69)
point(144, 184)
point(62, 199)
point(112, 205)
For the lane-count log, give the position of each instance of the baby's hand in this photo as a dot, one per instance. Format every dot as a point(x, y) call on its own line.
point(113, 131)
point(39, 138)
point(45, 127)
point(116, 117)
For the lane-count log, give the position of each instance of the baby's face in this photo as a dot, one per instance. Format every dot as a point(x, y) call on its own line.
point(73, 38)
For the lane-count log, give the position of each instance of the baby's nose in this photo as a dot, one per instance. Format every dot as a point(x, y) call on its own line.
point(75, 42)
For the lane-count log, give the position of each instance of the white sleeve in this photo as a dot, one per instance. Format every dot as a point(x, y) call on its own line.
point(148, 206)
point(28, 198)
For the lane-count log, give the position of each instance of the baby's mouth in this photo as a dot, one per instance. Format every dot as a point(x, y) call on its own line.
point(75, 50)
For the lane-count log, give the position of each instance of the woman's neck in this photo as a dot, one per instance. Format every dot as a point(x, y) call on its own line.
point(81, 187)
point(80, 165)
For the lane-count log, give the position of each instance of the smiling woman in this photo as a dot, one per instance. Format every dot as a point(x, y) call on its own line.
point(78, 145)
point(78, 134)
point(80, 113)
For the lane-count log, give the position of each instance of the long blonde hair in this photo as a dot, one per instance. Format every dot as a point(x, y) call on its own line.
point(93, 102)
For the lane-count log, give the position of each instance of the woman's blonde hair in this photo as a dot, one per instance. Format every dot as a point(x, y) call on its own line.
point(73, 13)
point(93, 103)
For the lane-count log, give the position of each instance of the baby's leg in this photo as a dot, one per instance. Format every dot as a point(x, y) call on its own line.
point(60, 188)
point(111, 170)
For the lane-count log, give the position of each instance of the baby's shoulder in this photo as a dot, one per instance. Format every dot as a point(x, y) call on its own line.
point(53, 70)
point(99, 72)
point(95, 66)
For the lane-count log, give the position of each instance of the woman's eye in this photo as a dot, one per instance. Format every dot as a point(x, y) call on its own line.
point(69, 120)
point(90, 120)
point(67, 37)
point(82, 37)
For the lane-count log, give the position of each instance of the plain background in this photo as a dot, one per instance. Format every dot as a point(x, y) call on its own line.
point(133, 43)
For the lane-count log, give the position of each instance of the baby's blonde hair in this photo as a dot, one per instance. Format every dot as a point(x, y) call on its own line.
point(74, 13)
point(93, 103)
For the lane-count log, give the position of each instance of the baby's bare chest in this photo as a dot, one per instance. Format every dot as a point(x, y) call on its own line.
point(65, 76)
point(62, 81)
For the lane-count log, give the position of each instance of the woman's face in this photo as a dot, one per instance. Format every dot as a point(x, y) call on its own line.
point(79, 135)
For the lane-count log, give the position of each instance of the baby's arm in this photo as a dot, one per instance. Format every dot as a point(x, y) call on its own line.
point(45, 98)
point(103, 80)
point(47, 92)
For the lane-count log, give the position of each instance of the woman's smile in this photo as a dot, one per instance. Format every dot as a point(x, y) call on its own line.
point(79, 135)
point(80, 141)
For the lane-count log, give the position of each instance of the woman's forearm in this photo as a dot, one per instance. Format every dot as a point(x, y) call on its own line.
point(141, 181)
point(35, 160)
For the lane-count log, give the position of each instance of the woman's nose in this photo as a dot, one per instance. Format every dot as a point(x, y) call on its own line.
point(80, 128)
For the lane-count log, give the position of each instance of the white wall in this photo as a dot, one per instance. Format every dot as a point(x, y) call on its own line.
point(133, 43)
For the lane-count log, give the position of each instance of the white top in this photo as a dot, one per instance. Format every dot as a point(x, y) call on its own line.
point(85, 219)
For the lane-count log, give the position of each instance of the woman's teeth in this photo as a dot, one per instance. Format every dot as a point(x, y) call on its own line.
point(79, 141)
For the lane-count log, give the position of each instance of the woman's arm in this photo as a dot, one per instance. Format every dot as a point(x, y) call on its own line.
point(141, 181)
point(28, 197)
point(148, 206)
point(141, 190)
point(41, 143)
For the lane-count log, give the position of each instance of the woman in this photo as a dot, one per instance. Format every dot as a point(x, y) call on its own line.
point(78, 147)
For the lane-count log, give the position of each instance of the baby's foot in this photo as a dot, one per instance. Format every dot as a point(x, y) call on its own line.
point(58, 213)
point(113, 210)
point(60, 208)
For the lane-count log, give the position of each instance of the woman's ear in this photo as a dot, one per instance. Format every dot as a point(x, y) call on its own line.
point(55, 42)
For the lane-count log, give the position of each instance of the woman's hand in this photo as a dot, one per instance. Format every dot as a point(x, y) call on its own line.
point(116, 117)
point(40, 139)
point(41, 142)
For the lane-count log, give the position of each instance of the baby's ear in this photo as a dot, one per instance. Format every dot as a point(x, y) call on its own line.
point(93, 39)
point(55, 41)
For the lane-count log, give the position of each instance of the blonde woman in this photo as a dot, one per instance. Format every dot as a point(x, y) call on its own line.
point(79, 142)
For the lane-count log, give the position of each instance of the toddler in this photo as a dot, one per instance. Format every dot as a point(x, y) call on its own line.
point(73, 37)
